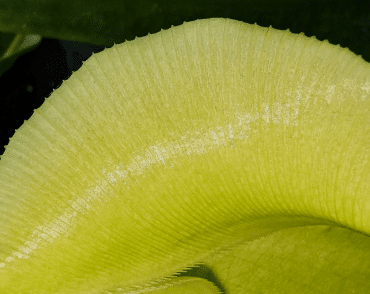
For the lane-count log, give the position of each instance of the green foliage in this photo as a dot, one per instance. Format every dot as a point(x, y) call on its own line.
point(298, 260)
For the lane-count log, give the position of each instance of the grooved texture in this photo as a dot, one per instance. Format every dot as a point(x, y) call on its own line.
point(162, 151)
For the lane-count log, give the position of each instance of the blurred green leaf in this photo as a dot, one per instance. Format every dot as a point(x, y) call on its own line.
point(14, 45)
point(305, 260)
point(108, 21)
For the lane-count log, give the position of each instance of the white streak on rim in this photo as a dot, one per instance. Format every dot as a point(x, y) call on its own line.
point(239, 129)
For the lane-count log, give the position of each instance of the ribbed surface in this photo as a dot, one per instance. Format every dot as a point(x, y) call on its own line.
point(155, 152)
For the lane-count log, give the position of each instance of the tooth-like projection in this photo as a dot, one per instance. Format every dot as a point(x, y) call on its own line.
point(173, 149)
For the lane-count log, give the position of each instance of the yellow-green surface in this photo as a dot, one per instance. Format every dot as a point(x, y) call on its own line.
point(176, 148)
point(181, 285)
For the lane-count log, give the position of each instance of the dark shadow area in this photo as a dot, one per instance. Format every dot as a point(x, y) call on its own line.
point(202, 271)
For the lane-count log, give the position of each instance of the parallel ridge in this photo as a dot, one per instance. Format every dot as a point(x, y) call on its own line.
point(164, 150)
